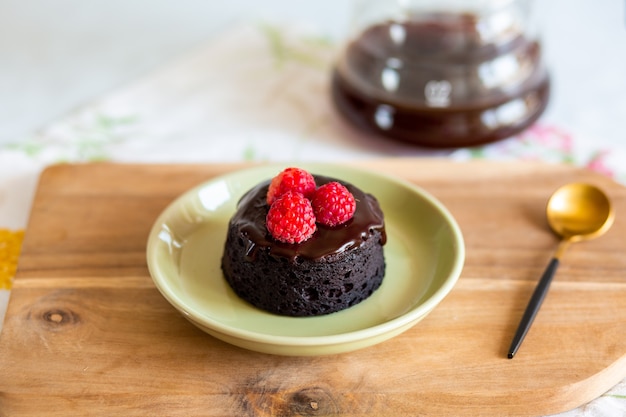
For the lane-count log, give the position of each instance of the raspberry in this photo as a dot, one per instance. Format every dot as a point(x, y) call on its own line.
point(291, 179)
point(333, 204)
point(290, 218)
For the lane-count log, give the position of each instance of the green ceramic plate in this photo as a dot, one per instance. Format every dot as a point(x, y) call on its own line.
point(424, 253)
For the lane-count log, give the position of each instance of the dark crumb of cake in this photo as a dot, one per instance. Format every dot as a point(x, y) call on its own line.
point(338, 267)
point(278, 285)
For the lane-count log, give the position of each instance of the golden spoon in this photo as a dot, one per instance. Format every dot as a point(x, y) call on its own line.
point(575, 212)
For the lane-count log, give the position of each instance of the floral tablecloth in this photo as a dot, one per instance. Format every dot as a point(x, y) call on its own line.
point(256, 93)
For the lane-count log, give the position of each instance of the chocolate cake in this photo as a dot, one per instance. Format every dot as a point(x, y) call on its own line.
point(336, 268)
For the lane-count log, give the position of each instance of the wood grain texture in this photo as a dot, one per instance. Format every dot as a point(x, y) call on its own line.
point(87, 333)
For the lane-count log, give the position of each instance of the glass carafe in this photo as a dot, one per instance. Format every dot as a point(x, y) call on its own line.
point(442, 73)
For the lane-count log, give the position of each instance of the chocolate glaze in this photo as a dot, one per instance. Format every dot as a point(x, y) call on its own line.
point(252, 210)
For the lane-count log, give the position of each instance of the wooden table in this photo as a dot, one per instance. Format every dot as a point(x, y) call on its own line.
point(87, 333)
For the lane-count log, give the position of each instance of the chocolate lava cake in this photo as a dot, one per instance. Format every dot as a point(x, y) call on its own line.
point(336, 268)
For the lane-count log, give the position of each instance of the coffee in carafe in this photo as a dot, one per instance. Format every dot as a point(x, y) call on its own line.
point(443, 73)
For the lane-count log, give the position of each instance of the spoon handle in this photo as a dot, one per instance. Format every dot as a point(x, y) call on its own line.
point(533, 306)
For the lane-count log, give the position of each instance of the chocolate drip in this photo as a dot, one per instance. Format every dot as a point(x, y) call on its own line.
point(252, 210)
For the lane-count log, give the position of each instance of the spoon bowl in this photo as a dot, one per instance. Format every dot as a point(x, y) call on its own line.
point(575, 212)
point(579, 211)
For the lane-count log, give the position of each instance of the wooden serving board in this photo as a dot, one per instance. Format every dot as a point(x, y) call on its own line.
point(87, 333)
